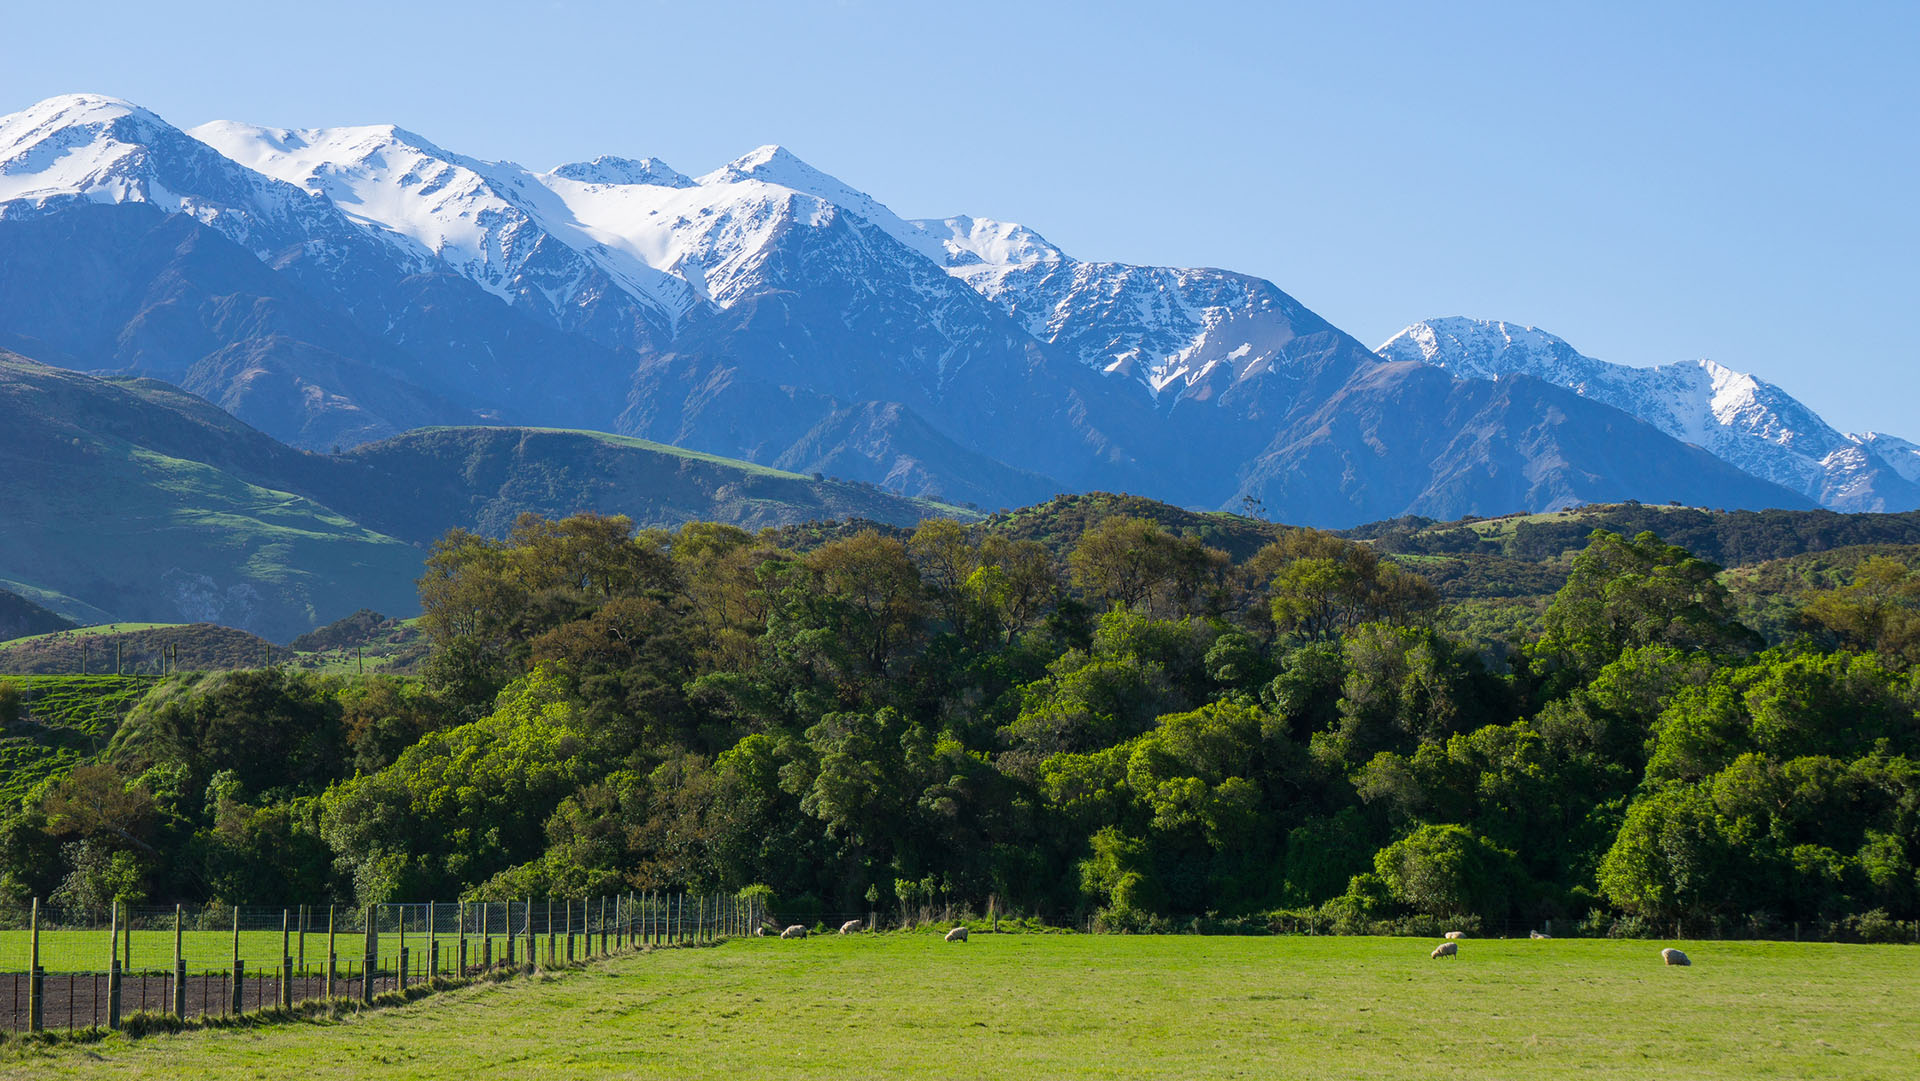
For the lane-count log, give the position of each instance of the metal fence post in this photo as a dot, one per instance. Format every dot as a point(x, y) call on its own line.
point(400, 981)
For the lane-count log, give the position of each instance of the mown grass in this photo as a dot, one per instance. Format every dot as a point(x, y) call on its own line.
point(911, 1006)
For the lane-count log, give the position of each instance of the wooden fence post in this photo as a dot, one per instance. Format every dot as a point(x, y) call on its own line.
point(603, 925)
point(460, 929)
point(36, 980)
point(369, 956)
point(400, 981)
point(113, 966)
point(332, 958)
point(550, 941)
point(179, 969)
point(237, 992)
point(569, 906)
point(286, 958)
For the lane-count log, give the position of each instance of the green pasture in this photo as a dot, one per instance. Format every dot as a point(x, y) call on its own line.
point(213, 951)
point(1071, 1006)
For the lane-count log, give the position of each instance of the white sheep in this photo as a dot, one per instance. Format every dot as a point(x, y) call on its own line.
point(1537, 934)
point(759, 932)
point(852, 927)
point(796, 931)
point(1451, 935)
point(1674, 957)
point(958, 934)
point(1445, 949)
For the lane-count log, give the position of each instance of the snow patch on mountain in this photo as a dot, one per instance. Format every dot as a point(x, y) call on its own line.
point(98, 149)
point(607, 169)
point(1902, 455)
point(1180, 332)
point(1745, 421)
point(495, 223)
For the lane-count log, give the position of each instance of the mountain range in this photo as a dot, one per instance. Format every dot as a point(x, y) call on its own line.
point(341, 286)
point(1744, 421)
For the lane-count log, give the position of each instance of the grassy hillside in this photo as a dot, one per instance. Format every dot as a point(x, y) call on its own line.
point(20, 617)
point(131, 500)
point(139, 501)
point(140, 649)
point(65, 721)
point(1075, 1006)
point(417, 485)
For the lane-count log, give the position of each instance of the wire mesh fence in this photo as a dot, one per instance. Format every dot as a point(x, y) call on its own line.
point(79, 969)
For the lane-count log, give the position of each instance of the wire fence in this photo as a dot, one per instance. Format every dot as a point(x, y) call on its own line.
point(97, 969)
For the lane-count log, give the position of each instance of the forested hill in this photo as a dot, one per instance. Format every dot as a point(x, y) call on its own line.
point(1729, 538)
point(1130, 725)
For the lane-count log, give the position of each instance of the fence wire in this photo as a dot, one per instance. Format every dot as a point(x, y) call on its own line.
point(98, 967)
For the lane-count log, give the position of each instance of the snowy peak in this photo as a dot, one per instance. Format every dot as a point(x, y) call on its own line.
point(1901, 455)
point(1487, 349)
point(608, 169)
point(773, 164)
point(1741, 419)
point(984, 242)
point(493, 223)
point(86, 145)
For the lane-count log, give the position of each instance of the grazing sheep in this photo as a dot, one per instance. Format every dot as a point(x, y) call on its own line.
point(1446, 949)
point(1537, 934)
point(759, 932)
point(1451, 935)
point(958, 934)
point(852, 927)
point(1674, 957)
point(796, 931)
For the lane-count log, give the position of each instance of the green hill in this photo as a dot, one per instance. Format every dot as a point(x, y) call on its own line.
point(419, 484)
point(128, 499)
point(140, 649)
point(20, 617)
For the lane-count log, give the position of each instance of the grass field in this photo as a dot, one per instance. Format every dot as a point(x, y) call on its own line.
point(1047, 1006)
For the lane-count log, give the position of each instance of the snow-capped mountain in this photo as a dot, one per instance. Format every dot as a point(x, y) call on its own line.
point(1183, 333)
point(332, 285)
point(1745, 421)
point(90, 149)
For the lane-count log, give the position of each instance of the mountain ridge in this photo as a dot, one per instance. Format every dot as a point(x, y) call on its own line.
point(349, 284)
point(1739, 418)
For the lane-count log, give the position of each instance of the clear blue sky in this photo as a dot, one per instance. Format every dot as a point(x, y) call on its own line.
point(1653, 182)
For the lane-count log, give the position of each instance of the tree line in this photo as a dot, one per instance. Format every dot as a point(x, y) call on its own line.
point(1132, 725)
